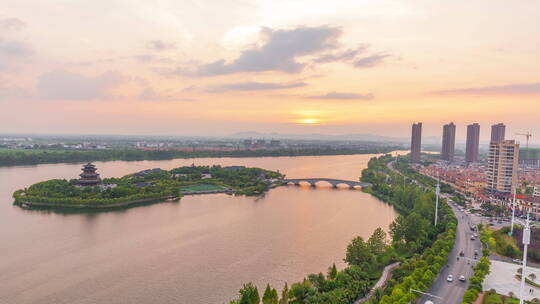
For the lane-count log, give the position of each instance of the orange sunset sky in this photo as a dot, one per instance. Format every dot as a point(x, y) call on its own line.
point(219, 67)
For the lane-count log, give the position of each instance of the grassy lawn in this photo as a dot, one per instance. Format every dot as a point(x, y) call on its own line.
point(201, 187)
point(506, 245)
point(494, 298)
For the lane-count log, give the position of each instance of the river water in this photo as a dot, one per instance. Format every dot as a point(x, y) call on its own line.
point(197, 251)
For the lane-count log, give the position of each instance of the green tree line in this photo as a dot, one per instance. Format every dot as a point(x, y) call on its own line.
point(32, 157)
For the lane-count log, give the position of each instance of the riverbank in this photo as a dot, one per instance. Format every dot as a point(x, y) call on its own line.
point(415, 242)
point(121, 205)
point(9, 157)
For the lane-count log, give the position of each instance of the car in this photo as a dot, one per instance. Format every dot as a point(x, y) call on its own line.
point(450, 278)
point(462, 278)
point(472, 237)
point(461, 254)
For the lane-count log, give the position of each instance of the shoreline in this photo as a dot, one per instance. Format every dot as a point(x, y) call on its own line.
point(300, 153)
point(37, 205)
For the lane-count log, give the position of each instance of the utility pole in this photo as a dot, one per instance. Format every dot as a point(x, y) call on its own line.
point(526, 241)
point(513, 213)
point(437, 191)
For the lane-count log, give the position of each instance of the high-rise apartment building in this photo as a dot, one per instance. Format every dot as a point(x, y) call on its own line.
point(502, 166)
point(416, 142)
point(448, 142)
point(497, 132)
point(473, 141)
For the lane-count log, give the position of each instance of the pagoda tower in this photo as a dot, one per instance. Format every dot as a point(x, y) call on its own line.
point(89, 177)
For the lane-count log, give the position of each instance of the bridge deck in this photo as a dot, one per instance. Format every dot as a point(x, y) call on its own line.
point(334, 182)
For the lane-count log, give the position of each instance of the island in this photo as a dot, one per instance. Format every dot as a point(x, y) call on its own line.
point(90, 191)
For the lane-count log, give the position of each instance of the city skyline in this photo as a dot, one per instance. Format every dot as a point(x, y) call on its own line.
point(154, 68)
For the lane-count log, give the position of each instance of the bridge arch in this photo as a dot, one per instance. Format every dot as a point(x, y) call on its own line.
point(335, 183)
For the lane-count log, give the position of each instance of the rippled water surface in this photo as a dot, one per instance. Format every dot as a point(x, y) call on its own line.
point(197, 251)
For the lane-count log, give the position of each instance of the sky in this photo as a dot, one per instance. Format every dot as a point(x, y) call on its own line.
point(158, 67)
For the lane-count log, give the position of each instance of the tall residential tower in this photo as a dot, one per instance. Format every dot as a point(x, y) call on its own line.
point(416, 142)
point(502, 166)
point(497, 132)
point(473, 140)
point(448, 142)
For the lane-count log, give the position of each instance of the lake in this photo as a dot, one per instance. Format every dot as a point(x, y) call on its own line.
point(198, 251)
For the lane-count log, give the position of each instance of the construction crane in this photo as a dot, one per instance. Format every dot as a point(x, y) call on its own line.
point(527, 135)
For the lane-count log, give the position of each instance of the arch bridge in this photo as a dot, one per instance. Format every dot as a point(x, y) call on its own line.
point(332, 181)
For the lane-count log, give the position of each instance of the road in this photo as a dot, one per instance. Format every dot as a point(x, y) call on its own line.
point(452, 292)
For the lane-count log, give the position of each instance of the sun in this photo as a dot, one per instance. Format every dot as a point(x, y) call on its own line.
point(309, 121)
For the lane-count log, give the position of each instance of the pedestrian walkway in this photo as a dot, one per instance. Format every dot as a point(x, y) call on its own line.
point(502, 278)
point(386, 275)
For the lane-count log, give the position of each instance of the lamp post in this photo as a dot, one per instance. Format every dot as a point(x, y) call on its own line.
point(425, 294)
point(526, 240)
point(513, 213)
point(437, 191)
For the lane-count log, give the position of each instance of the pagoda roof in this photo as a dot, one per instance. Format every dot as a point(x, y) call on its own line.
point(88, 174)
point(92, 181)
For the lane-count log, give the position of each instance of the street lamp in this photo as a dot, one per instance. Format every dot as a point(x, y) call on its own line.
point(437, 191)
point(513, 213)
point(526, 241)
point(425, 294)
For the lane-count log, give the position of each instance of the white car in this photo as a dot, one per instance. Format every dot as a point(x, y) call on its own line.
point(462, 278)
point(450, 278)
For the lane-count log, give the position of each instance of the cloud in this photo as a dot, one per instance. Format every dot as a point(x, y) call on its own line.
point(518, 88)
point(346, 55)
point(370, 61)
point(14, 48)
point(253, 86)
point(149, 58)
point(343, 96)
point(149, 94)
point(13, 54)
point(7, 23)
point(64, 85)
point(279, 52)
point(158, 45)
point(15, 94)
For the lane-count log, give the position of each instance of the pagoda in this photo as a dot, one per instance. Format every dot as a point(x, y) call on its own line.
point(89, 177)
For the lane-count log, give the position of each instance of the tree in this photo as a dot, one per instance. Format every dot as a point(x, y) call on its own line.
point(270, 295)
point(301, 292)
point(510, 251)
point(532, 276)
point(284, 295)
point(358, 254)
point(249, 294)
point(332, 272)
point(377, 241)
point(412, 228)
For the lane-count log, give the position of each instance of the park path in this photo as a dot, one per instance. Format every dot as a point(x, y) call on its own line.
point(386, 275)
